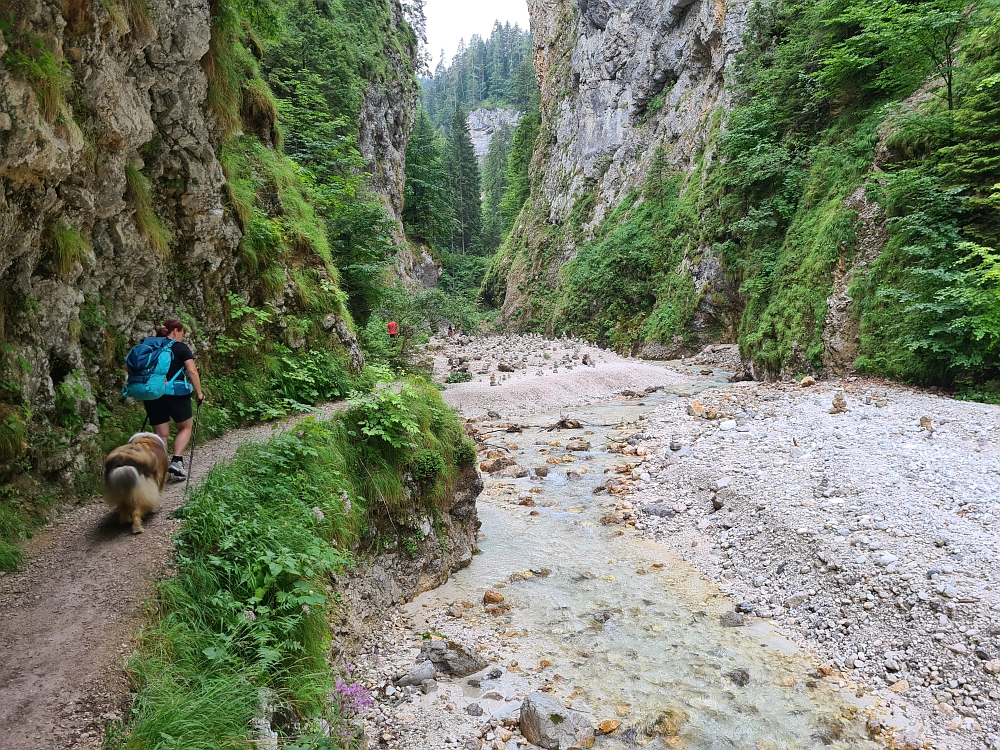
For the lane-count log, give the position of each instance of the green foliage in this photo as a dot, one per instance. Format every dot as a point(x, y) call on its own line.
point(275, 384)
point(462, 169)
point(68, 247)
point(609, 290)
point(812, 82)
point(518, 178)
point(70, 394)
point(891, 46)
point(494, 183)
point(466, 453)
point(427, 210)
point(247, 608)
point(327, 56)
point(495, 72)
point(384, 415)
point(458, 377)
point(930, 304)
point(140, 193)
point(13, 436)
point(427, 465)
point(29, 59)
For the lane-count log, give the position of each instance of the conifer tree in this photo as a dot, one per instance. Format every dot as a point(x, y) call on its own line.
point(427, 213)
point(463, 183)
point(494, 183)
point(518, 183)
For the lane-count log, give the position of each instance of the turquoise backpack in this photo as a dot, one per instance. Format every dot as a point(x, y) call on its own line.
point(148, 364)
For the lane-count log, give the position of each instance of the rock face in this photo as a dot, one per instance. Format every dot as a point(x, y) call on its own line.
point(388, 578)
point(619, 81)
point(546, 722)
point(138, 105)
point(483, 123)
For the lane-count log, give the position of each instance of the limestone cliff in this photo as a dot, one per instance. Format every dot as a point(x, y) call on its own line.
point(483, 123)
point(115, 210)
point(622, 83)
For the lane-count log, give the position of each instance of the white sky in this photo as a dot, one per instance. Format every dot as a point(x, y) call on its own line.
point(451, 20)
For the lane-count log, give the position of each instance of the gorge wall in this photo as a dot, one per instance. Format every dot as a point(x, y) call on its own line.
point(137, 151)
point(706, 172)
point(625, 86)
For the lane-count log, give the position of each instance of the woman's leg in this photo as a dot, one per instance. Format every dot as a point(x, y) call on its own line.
point(182, 437)
point(163, 430)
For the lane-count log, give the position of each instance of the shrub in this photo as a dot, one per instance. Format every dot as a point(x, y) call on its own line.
point(458, 377)
point(466, 453)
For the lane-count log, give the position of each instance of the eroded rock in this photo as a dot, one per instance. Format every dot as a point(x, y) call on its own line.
point(546, 722)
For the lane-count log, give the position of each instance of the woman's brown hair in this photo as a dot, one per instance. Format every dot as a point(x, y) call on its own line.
point(169, 326)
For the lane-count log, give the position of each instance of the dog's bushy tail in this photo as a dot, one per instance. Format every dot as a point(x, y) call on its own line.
point(119, 483)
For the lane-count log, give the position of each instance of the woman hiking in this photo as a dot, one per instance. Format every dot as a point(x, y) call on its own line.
point(178, 408)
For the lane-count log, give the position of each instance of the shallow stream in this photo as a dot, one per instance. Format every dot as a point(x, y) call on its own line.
point(631, 631)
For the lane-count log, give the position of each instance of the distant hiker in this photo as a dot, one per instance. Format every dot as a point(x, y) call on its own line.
point(393, 329)
point(162, 374)
point(451, 330)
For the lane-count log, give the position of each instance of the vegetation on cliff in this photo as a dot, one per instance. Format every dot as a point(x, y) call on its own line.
point(272, 328)
point(898, 101)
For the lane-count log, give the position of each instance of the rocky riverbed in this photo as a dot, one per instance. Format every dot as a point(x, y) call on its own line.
point(850, 523)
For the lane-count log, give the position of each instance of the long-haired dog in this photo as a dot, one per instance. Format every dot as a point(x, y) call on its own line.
point(134, 475)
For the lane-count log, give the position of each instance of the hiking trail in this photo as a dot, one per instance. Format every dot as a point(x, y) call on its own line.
point(69, 620)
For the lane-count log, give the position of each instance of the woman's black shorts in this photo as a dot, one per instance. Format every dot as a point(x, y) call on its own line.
point(165, 408)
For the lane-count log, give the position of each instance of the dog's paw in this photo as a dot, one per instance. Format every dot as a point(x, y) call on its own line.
point(138, 530)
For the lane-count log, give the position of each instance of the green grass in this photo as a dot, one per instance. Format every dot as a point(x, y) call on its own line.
point(30, 60)
point(68, 247)
point(140, 192)
point(294, 236)
point(246, 610)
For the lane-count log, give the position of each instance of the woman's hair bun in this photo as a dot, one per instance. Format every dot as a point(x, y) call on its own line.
point(169, 326)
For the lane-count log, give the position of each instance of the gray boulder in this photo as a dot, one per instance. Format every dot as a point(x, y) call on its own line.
point(546, 722)
point(452, 658)
point(418, 674)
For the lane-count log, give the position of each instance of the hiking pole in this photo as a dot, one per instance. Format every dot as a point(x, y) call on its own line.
point(194, 442)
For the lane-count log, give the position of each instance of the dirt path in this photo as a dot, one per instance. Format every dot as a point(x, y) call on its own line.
point(67, 621)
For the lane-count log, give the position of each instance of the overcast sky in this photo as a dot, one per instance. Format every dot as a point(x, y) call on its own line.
point(451, 20)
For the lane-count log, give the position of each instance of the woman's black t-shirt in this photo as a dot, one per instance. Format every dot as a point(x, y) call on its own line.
point(182, 353)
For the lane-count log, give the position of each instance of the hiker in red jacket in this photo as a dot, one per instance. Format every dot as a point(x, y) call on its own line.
point(393, 329)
